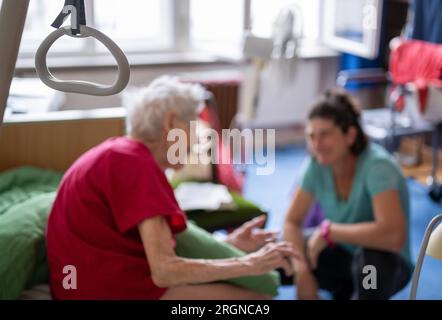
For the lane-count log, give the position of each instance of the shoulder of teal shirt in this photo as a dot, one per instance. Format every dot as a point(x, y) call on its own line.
point(310, 176)
point(377, 171)
point(381, 172)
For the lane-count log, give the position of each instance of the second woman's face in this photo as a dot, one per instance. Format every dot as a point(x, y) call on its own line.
point(326, 141)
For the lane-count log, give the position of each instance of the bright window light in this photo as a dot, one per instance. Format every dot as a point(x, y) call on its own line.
point(265, 12)
point(143, 26)
point(216, 24)
point(139, 24)
point(41, 14)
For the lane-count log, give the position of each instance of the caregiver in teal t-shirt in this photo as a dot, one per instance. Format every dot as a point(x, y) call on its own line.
point(376, 172)
point(363, 195)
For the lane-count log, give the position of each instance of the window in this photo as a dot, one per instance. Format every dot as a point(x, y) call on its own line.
point(358, 33)
point(264, 13)
point(141, 26)
point(41, 14)
point(216, 25)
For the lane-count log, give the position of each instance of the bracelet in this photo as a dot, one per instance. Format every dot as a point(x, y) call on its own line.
point(325, 233)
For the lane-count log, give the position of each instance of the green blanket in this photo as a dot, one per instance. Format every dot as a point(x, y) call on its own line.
point(26, 197)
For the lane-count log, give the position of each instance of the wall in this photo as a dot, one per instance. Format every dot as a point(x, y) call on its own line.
point(277, 107)
point(140, 76)
point(280, 105)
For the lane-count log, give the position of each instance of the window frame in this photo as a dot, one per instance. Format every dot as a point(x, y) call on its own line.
point(180, 35)
point(371, 36)
point(89, 48)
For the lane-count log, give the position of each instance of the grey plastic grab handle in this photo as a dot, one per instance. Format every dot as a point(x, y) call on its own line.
point(83, 87)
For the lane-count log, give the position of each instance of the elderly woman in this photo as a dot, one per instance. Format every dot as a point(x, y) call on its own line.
point(115, 216)
point(361, 250)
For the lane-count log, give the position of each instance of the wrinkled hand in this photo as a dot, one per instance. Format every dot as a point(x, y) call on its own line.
point(250, 236)
point(315, 245)
point(272, 256)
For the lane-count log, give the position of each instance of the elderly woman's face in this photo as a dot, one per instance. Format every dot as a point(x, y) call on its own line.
point(187, 136)
point(186, 126)
point(326, 141)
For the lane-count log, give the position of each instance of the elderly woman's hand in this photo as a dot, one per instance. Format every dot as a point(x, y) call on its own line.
point(273, 256)
point(250, 236)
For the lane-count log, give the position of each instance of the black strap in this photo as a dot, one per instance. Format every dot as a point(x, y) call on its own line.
point(81, 15)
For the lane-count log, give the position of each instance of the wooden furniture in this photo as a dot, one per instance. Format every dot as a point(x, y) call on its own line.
point(54, 140)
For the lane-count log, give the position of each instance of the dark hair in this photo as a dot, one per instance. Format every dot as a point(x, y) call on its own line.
point(344, 111)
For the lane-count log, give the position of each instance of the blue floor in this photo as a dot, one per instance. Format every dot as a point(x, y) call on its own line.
point(273, 193)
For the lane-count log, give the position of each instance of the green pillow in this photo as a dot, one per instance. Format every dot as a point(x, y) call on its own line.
point(197, 243)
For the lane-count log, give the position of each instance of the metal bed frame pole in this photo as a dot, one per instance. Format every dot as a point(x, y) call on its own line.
point(12, 21)
point(435, 149)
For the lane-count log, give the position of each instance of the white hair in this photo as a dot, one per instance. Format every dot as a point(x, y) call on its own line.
point(147, 107)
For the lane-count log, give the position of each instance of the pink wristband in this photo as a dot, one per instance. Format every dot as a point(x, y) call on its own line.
point(325, 233)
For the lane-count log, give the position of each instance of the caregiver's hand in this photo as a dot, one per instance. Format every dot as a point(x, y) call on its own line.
point(250, 236)
point(305, 282)
point(307, 287)
point(315, 245)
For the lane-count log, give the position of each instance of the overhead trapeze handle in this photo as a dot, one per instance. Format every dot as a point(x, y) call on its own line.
point(76, 86)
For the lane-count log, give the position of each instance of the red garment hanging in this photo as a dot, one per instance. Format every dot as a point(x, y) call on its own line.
point(416, 62)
